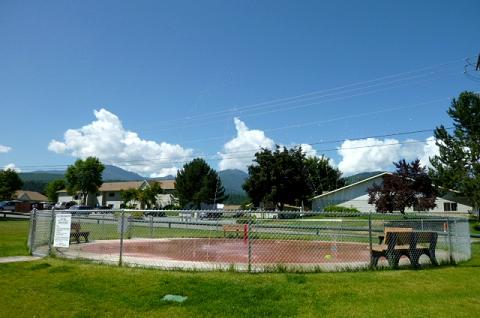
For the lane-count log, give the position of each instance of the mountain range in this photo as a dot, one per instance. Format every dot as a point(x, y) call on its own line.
point(232, 179)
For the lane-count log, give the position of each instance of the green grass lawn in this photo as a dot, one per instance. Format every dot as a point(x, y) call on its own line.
point(62, 288)
point(13, 237)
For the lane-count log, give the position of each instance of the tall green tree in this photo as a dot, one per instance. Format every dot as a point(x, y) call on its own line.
point(279, 177)
point(52, 188)
point(322, 176)
point(129, 195)
point(409, 186)
point(9, 183)
point(84, 176)
point(197, 183)
point(458, 164)
point(148, 196)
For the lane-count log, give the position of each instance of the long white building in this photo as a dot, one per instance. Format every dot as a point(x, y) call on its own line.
point(355, 195)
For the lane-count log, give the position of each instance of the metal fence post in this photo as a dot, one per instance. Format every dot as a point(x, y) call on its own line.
point(151, 226)
point(450, 252)
point(249, 240)
point(52, 227)
point(370, 237)
point(122, 230)
point(33, 228)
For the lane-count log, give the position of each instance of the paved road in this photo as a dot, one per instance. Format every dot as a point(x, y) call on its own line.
point(13, 259)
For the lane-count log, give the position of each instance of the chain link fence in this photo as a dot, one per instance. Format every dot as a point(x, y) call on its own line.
point(253, 240)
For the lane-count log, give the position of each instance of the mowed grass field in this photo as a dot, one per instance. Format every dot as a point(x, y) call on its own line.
point(61, 288)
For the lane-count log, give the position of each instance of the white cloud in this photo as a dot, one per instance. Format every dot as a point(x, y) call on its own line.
point(239, 152)
point(373, 154)
point(12, 166)
point(430, 149)
point(107, 139)
point(4, 149)
point(308, 150)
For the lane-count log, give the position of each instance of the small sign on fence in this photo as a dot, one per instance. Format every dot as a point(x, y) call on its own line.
point(62, 230)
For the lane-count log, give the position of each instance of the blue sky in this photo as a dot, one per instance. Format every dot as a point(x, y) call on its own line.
point(171, 76)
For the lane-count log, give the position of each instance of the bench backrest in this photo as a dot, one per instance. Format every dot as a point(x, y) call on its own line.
point(411, 239)
point(397, 230)
point(75, 226)
point(233, 227)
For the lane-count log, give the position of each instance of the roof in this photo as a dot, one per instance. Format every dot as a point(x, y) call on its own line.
point(166, 184)
point(351, 185)
point(24, 195)
point(125, 185)
point(118, 186)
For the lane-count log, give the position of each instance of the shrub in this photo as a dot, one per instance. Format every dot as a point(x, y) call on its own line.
point(289, 215)
point(337, 208)
point(476, 227)
point(137, 214)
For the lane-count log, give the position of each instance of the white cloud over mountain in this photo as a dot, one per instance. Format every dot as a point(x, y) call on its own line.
point(239, 152)
point(373, 154)
point(107, 139)
point(4, 149)
point(12, 166)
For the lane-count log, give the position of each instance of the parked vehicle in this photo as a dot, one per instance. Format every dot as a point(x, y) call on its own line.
point(8, 205)
point(211, 214)
point(64, 205)
point(80, 209)
point(155, 213)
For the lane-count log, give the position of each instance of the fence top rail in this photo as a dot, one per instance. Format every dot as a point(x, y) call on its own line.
point(304, 214)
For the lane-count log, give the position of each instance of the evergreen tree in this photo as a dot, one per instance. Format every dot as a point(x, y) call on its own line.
point(458, 164)
point(197, 183)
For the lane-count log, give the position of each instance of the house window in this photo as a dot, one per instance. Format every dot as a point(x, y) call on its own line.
point(450, 206)
point(111, 194)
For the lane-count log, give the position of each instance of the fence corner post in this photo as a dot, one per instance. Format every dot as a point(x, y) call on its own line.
point(249, 236)
point(450, 247)
point(370, 238)
point(122, 230)
point(33, 225)
point(52, 227)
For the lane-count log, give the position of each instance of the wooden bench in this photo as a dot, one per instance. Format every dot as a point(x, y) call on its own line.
point(392, 229)
point(398, 244)
point(236, 228)
point(75, 232)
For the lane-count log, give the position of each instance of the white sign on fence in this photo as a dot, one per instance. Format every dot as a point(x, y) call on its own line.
point(62, 230)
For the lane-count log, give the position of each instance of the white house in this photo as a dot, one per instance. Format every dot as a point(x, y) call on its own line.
point(109, 193)
point(355, 195)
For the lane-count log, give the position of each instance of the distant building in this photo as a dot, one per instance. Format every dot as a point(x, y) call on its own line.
point(355, 195)
point(30, 196)
point(109, 193)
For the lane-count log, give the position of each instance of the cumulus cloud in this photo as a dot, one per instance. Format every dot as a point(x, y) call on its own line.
point(239, 152)
point(4, 149)
point(12, 166)
point(107, 139)
point(308, 150)
point(373, 154)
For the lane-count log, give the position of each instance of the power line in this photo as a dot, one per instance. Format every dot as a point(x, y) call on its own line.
point(234, 109)
point(295, 107)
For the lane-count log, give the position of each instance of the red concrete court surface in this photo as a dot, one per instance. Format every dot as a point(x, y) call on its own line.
point(218, 252)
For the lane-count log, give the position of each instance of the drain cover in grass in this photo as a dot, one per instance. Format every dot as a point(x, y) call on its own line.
point(174, 298)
